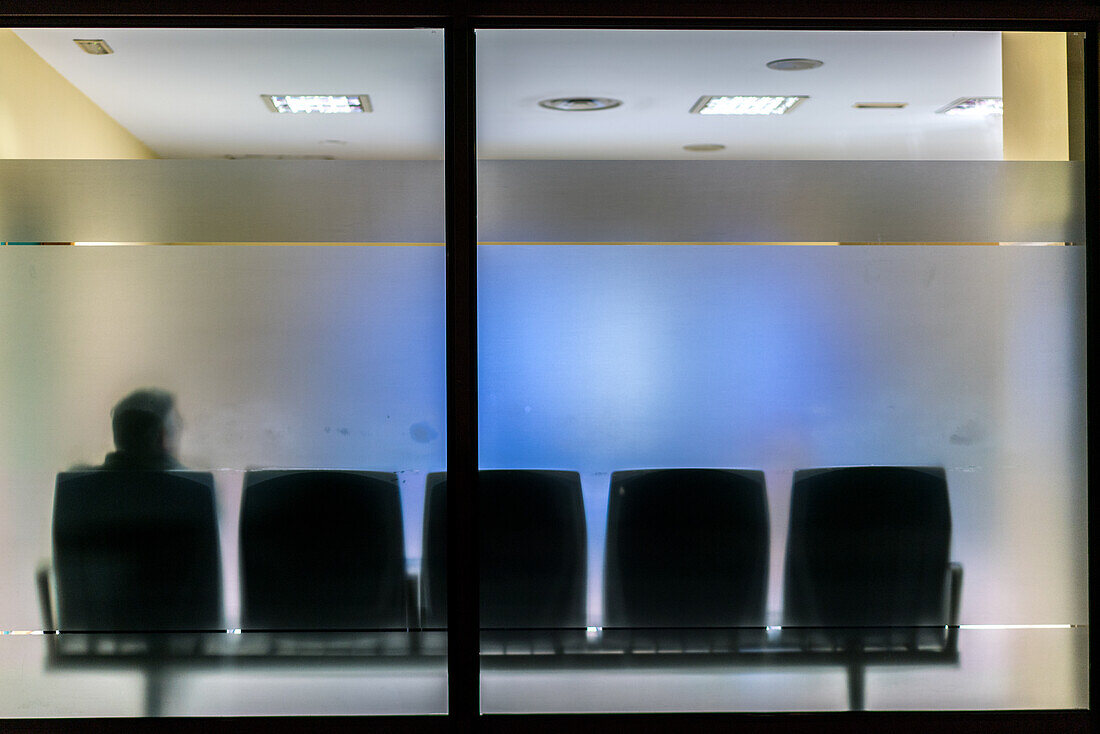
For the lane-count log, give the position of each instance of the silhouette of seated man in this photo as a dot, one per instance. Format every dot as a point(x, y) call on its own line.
point(146, 427)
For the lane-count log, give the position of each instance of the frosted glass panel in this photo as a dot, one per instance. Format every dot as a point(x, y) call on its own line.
point(279, 575)
point(288, 357)
point(780, 201)
point(775, 358)
point(221, 201)
point(997, 669)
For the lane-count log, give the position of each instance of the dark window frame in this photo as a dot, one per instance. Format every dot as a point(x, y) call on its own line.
point(460, 19)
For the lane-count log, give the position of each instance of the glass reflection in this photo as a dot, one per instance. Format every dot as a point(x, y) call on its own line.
point(236, 332)
point(789, 455)
point(780, 358)
point(316, 366)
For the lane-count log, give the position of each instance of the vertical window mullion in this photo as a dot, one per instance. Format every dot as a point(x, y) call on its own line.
point(462, 567)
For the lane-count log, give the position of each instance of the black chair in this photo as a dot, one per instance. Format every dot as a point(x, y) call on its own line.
point(867, 558)
point(533, 556)
point(322, 550)
point(687, 548)
point(136, 551)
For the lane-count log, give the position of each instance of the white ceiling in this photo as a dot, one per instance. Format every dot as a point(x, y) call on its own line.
point(195, 93)
point(660, 74)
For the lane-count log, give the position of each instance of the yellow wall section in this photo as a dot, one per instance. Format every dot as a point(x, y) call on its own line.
point(42, 115)
point(1036, 101)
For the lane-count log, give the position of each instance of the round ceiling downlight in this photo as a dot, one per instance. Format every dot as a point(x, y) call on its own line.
point(794, 64)
point(704, 147)
point(580, 104)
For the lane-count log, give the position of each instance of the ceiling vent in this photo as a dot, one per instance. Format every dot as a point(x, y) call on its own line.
point(93, 46)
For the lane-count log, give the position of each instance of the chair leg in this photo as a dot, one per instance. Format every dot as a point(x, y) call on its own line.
point(45, 603)
point(155, 685)
point(855, 684)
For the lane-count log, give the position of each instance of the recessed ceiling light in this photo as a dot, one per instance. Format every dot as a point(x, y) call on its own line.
point(973, 106)
point(879, 105)
point(580, 104)
point(323, 103)
point(704, 147)
point(746, 105)
point(93, 46)
point(794, 64)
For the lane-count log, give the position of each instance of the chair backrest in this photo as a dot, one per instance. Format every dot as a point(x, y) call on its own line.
point(433, 562)
point(686, 548)
point(533, 556)
point(136, 551)
point(322, 549)
point(868, 547)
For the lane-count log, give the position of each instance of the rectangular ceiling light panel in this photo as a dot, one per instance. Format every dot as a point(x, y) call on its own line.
point(323, 103)
point(746, 105)
point(974, 106)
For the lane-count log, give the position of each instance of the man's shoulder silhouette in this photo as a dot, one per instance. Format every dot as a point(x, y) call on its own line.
point(128, 460)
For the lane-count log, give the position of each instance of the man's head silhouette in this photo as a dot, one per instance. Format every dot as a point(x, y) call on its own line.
point(146, 423)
